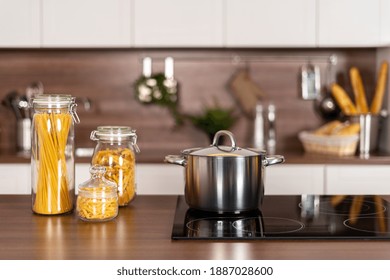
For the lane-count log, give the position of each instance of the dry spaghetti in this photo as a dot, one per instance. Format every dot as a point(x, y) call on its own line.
point(52, 193)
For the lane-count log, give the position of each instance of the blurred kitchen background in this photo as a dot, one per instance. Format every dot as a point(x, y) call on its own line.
point(94, 51)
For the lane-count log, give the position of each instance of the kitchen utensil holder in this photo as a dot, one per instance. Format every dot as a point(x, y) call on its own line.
point(369, 133)
point(23, 135)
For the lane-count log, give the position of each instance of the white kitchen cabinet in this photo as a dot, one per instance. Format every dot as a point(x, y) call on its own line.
point(81, 173)
point(165, 179)
point(284, 179)
point(350, 23)
point(15, 178)
point(385, 22)
point(357, 179)
point(19, 23)
point(151, 179)
point(87, 23)
point(161, 179)
point(264, 23)
point(293, 179)
point(178, 23)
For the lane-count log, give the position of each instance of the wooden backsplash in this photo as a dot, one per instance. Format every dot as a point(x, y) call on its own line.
point(106, 77)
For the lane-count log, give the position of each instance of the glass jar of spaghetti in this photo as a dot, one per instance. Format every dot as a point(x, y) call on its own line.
point(97, 198)
point(52, 153)
point(115, 150)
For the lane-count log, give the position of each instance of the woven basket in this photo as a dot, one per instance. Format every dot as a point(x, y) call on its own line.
point(339, 145)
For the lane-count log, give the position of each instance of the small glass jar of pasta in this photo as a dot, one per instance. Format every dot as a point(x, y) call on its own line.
point(97, 198)
point(115, 150)
point(52, 154)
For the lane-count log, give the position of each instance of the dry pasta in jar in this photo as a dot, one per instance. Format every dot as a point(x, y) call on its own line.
point(52, 159)
point(97, 198)
point(115, 150)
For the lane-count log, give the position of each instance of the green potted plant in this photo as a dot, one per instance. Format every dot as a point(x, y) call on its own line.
point(213, 119)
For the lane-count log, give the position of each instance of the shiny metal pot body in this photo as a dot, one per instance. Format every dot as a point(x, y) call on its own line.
point(224, 181)
point(224, 184)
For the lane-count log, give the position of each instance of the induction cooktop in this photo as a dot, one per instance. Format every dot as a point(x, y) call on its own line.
point(289, 217)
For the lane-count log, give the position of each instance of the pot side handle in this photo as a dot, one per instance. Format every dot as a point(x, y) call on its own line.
point(273, 160)
point(176, 159)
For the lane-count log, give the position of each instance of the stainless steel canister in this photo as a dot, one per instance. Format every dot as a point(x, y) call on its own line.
point(23, 134)
point(369, 132)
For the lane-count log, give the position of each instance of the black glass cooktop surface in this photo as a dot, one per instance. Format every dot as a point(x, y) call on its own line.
point(289, 217)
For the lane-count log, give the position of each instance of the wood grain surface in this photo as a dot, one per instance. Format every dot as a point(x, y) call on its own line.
point(142, 231)
point(107, 77)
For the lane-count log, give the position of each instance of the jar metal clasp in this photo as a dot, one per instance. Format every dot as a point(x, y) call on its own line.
point(134, 143)
point(73, 112)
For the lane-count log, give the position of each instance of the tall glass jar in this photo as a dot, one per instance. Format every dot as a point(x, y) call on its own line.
point(52, 154)
point(115, 150)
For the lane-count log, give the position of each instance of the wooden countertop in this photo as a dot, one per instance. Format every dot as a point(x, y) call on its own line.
point(142, 231)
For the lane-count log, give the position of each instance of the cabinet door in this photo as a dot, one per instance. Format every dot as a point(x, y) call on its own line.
point(357, 179)
point(264, 23)
point(81, 174)
point(15, 178)
point(159, 179)
point(294, 179)
point(178, 23)
point(349, 23)
point(19, 23)
point(385, 22)
point(87, 23)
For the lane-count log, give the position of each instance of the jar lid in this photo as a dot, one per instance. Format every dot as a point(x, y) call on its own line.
point(115, 133)
point(98, 186)
point(56, 101)
point(52, 100)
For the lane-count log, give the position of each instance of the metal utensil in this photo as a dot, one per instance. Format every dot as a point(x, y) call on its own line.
point(325, 105)
point(24, 107)
point(271, 129)
point(23, 134)
point(16, 108)
point(310, 81)
point(34, 89)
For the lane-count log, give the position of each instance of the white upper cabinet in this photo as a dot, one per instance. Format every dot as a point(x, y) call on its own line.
point(19, 23)
point(265, 23)
point(178, 23)
point(350, 23)
point(190, 23)
point(385, 22)
point(87, 23)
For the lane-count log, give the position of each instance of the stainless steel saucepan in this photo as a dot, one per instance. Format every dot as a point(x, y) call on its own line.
point(224, 178)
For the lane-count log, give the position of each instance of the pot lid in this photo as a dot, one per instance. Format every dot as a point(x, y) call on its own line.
point(216, 150)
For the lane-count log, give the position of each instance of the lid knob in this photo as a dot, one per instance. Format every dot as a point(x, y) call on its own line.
point(227, 133)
